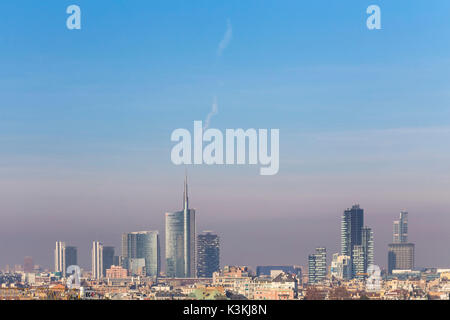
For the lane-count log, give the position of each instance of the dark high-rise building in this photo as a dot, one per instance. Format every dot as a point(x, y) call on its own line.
point(71, 256)
point(357, 241)
point(208, 254)
point(180, 240)
point(400, 256)
point(401, 253)
point(351, 229)
point(108, 258)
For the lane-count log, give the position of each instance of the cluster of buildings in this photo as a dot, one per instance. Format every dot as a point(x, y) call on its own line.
point(357, 250)
point(187, 255)
point(193, 269)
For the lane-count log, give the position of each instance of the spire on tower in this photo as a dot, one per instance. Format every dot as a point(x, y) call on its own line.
point(185, 193)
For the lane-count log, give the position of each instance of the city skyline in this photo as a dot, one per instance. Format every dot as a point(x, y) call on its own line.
point(352, 236)
point(87, 115)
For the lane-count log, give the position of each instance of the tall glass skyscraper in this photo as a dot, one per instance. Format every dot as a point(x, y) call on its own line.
point(143, 245)
point(208, 254)
point(357, 241)
point(351, 229)
point(108, 258)
point(180, 240)
point(401, 228)
point(71, 256)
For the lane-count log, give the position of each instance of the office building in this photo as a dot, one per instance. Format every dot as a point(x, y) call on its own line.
point(71, 256)
point(359, 262)
point(317, 266)
point(367, 242)
point(141, 249)
point(341, 267)
point(357, 239)
point(400, 252)
point(108, 258)
point(97, 260)
point(401, 228)
point(60, 257)
point(400, 256)
point(180, 240)
point(208, 254)
point(65, 256)
point(352, 223)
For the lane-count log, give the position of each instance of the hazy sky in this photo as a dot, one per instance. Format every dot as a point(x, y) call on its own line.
point(86, 117)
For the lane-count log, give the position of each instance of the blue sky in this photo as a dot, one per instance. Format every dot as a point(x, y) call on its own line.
point(86, 115)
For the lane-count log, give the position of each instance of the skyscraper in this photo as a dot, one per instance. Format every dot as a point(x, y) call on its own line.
point(97, 260)
point(401, 228)
point(317, 266)
point(180, 240)
point(141, 249)
point(400, 256)
point(352, 223)
point(60, 257)
point(358, 262)
point(71, 256)
point(108, 258)
point(208, 254)
point(357, 240)
point(401, 253)
point(65, 256)
point(367, 243)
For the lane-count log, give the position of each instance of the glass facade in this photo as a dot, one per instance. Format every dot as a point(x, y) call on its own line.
point(71, 256)
point(108, 258)
point(401, 228)
point(180, 244)
point(208, 254)
point(180, 241)
point(142, 245)
point(351, 229)
point(400, 256)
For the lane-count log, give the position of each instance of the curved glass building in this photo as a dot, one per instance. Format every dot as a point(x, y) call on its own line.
point(180, 240)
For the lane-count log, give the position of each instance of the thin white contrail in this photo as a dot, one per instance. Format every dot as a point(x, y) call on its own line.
point(213, 112)
point(222, 46)
point(226, 39)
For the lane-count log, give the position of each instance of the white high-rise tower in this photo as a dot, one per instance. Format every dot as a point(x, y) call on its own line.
point(97, 260)
point(60, 257)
